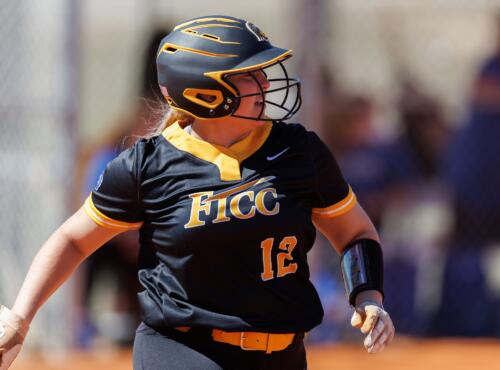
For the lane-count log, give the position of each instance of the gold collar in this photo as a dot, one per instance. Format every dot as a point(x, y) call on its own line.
point(227, 159)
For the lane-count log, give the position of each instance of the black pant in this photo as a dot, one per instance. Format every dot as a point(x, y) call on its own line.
point(196, 350)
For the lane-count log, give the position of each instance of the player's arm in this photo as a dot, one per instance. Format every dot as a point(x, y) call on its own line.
point(112, 207)
point(353, 234)
point(338, 216)
point(56, 260)
point(345, 228)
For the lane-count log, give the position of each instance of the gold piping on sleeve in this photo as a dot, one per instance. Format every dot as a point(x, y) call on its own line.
point(102, 220)
point(339, 208)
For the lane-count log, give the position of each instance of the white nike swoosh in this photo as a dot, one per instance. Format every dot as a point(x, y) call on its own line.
point(272, 158)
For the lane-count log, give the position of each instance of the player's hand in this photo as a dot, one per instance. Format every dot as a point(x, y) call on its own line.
point(371, 318)
point(13, 330)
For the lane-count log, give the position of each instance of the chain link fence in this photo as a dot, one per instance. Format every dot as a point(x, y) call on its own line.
point(35, 149)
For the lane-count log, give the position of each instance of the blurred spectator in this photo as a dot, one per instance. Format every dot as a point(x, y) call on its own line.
point(416, 214)
point(348, 133)
point(473, 170)
point(353, 139)
point(110, 288)
point(471, 290)
point(424, 139)
point(399, 184)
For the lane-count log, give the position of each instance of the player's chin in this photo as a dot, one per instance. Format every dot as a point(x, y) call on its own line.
point(252, 113)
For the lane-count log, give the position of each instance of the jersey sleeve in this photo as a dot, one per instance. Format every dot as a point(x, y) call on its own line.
point(114, 202)
point(332, 195)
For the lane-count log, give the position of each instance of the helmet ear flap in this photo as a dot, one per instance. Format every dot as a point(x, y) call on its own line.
point(213, 99)
point(208, 98)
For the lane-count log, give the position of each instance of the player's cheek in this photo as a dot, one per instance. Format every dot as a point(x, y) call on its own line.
point(264, 83)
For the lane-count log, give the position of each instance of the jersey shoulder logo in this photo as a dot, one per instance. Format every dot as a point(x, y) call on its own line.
point(99, 182)
point(261, 36)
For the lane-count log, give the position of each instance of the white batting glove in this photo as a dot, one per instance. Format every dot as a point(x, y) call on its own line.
point(371, 318)
point(13, 330)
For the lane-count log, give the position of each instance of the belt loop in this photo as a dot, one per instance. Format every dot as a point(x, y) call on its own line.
point(268, 344)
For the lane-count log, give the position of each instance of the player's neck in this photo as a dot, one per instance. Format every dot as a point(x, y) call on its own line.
point(224, 132)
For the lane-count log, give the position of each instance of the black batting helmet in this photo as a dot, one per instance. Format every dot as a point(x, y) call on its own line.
point(195, 60)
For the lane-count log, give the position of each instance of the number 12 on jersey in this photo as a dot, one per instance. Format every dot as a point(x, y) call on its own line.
point(283, 259)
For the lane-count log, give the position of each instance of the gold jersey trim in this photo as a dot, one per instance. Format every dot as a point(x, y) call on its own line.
point(227, 159)
point(339, 208)
point(102, 220)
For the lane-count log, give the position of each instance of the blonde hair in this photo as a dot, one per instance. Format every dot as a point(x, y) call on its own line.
point(172, 116)
point(168, 117)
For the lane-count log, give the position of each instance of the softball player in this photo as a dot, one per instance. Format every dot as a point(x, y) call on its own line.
point(227, 200)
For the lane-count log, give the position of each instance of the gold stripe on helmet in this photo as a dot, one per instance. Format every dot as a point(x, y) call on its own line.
point(212, 25)
point(190, 31)
point(217, 75)
point(164, 49)
point(209, 19)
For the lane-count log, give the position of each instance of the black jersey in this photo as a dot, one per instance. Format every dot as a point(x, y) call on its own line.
point(224, 232)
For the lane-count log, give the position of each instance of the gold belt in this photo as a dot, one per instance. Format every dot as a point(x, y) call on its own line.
point(251, 341)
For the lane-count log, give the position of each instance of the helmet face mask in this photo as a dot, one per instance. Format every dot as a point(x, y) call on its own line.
point(199, 58)
point(281, 97)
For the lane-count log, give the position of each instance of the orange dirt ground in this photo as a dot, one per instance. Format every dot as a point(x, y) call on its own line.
point(404, 354)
